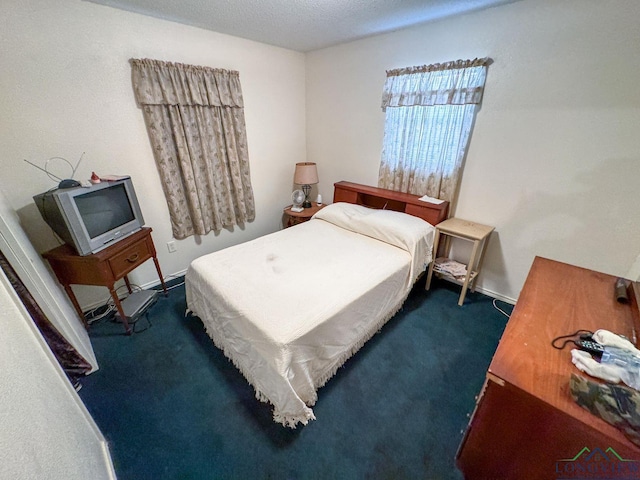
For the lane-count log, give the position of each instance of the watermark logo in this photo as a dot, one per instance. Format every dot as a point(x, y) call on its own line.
point(597, 464)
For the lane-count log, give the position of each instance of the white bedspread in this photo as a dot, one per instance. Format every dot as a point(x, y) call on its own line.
point(291, 307)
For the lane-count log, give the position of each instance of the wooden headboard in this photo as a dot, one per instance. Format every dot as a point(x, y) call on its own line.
point(375, 197)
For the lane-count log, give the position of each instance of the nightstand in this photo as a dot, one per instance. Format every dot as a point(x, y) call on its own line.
point(294, 218)
point(466, 230)
point(105, 267)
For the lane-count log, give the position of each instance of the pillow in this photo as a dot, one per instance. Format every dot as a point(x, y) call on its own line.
point(343, 214)
point(396, 228)
point(401, 230)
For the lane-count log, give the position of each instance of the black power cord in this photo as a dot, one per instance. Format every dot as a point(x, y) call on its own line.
point(572, 338)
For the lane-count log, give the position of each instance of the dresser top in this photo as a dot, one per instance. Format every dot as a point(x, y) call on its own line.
point(558, 299)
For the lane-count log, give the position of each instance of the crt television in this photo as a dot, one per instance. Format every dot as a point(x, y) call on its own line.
point(92, 218)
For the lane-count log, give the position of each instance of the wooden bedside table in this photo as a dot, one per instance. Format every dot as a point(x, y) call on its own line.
point(466, 230)
point(105, 267)
point(294, 218)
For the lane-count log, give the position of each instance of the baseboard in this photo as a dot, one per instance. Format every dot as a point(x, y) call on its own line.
point(497, 296)
point(182, 273)
point(167, 278)
point(145, 286)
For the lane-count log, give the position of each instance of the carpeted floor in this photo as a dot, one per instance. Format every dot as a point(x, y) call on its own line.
point(173, 407)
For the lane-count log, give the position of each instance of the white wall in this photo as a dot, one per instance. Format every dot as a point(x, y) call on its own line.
point(46, 432)
point(66, 89)
point(554, 161)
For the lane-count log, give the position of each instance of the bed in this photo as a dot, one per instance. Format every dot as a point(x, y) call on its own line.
point(288, 309)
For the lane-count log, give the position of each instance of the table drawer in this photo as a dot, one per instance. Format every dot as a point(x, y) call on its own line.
point(130, 258)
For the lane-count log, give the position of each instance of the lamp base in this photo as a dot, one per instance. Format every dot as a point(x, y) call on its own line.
point(306, 189)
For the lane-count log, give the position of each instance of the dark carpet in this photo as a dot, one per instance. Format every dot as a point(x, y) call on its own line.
point(173, 407)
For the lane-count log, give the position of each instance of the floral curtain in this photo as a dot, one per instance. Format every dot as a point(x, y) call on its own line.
point(429, 115)
point(195, 120)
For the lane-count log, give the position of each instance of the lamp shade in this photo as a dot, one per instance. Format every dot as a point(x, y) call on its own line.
point(306, 173)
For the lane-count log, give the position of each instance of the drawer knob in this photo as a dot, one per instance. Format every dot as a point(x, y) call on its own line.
point(133, 258)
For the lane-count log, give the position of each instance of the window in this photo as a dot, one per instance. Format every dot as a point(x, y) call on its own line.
point(429, 115)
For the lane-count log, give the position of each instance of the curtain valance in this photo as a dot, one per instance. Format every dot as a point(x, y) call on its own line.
point(458, 82)
point(165, 83)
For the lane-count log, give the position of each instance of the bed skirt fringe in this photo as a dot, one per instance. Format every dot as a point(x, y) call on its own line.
point(288, 419)
point(376, 327)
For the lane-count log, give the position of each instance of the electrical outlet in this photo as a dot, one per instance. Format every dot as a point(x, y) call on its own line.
point(171, 246)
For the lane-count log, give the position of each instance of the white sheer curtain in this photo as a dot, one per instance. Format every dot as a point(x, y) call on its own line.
point(429, 115)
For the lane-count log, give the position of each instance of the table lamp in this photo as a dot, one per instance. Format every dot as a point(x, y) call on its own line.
point(306, 174)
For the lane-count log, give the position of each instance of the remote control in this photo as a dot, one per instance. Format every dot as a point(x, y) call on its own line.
point(594, 348)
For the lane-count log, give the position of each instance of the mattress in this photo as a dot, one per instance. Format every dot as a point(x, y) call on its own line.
point(288, 309)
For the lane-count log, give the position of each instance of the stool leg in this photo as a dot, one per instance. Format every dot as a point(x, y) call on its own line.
point(483, 249)
point(472, 262)
point(436, 240)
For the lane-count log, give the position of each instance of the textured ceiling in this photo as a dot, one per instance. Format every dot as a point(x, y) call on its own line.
point(301, 25)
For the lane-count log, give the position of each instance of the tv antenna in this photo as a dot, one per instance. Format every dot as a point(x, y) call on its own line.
point(62, 183)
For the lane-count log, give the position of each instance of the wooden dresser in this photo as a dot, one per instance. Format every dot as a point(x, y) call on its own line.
point(525, 422)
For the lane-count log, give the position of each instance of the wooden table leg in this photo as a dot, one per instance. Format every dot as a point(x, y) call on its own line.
point(164, 287)
point(123, 317)
point(76, 305)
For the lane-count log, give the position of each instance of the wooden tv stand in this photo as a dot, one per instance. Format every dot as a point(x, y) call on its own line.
point(525, 424)
point(104, 268)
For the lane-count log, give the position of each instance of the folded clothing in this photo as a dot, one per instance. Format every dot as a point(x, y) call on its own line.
point(615, 404)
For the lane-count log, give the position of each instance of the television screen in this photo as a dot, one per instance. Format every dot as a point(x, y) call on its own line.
point(104, 210)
